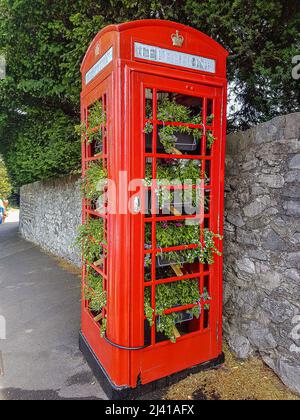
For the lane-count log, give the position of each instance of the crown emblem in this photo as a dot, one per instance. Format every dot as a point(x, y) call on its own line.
point(177, 39)
point(97, 49)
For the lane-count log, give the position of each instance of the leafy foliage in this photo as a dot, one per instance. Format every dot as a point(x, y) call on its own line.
point(175, 170)
point(94, 293)
point(97, 116)
point(95, 178)
point(169, 296)
point(43, 148)
point(5, 186)
point(173, 234)
point(262, 37)
point(43, 65)
point(91, 238)
point(96, 296)
point(93, 131)
point(170, 111)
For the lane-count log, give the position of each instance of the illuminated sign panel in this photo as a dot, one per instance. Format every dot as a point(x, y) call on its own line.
point(99, 66)
point(175, 58)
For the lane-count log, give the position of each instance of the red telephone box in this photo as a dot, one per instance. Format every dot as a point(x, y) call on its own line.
point(153, 105)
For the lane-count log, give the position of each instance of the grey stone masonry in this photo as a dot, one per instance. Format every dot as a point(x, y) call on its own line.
point(262, 240)
point(262, 245)
point(50, 215)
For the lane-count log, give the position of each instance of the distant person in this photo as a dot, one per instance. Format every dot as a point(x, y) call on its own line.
point(5, 203)
point(2, 212)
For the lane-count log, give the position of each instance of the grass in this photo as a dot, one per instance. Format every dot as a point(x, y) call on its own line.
point(236, 380)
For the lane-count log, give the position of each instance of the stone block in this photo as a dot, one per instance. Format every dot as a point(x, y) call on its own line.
point(272, 181)
point(292, 176)
point(272, 241)
point(292, 208)
point(289, 372)
point(246, 265)
point(240, 346)
point(260, 337)
point(294, 163)
point(292, 126)
point(270, 131)
point(257, 206)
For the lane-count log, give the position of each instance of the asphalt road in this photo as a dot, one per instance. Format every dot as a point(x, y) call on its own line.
point(40, 302)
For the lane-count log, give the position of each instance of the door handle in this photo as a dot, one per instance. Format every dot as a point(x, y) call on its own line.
point(137, 205)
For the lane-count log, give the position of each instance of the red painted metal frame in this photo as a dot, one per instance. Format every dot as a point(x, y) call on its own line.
point(122, 83)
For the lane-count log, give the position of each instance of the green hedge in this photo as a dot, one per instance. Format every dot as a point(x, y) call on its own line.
point(46, 146)
point(44, 43)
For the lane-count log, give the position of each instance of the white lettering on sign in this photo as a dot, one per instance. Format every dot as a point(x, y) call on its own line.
point(99, 66)
point(176, 58)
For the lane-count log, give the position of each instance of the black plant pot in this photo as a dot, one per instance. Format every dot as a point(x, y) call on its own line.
point(181, 209)
point(166, 210)
point(184, 142)
point(97, 147)
point(162, 261)
point(181, 317)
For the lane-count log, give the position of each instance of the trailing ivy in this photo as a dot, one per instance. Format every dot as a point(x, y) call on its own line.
point(94, 181)
point(210, 139)
point(169, 111)
point(172, 295)
point(96, 296)
point(175, 170)
point(173, 234)
point(93, 130)
point(91, 238)
point(93, 292)
point(97, 116)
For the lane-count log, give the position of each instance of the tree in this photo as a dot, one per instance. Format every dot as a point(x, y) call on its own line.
point(262, 37)
point(44, 42)
point(5, 187)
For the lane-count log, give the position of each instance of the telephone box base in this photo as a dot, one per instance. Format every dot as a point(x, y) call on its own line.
point(114, 392)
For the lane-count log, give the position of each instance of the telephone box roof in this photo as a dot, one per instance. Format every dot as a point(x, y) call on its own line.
point(131, 26)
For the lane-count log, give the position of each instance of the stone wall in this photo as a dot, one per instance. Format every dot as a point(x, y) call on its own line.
point(50, 214)
point(262, 241)
point(262, 245)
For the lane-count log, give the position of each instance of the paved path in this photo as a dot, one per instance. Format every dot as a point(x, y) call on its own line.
point(13, 216)
point(41, 305)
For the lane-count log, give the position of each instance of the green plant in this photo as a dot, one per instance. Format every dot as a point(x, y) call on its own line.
point(209, 119)
point(93, 292)
point(210, 139)
point(91, 238)
point(173, 234)
point(169, 296)
point(96, 121)
point(175, 170)
point(97, 116)
point(92, 185)
point(170, 111)
point(93, 130)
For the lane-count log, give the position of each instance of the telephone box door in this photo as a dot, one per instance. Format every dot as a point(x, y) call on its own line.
point(198, 339)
